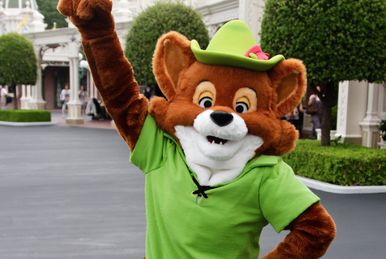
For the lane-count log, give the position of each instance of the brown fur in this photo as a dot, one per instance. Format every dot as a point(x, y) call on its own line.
point(311, 234)
point(278, 91)
point(171, 56)
point(285, 76)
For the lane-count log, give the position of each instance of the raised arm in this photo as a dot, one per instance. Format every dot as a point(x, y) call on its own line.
point(112, 73)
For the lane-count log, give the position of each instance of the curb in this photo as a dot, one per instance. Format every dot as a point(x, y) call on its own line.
point(27, 124)
point(332, 188)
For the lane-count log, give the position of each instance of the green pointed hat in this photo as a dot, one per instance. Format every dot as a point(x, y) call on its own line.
point(231, 46)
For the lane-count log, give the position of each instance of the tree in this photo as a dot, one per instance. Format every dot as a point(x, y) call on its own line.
point(17, 61)
point(150, 25)
point(336, 39)
point(51, 13)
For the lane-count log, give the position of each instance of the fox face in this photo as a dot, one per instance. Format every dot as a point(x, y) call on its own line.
point(223, 116)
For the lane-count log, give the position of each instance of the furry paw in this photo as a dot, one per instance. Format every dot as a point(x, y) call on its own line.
point(84, 9)
point(65, 7)
point(90, 16)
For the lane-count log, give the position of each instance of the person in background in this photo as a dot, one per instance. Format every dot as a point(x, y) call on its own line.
point(301, 119)
point(65, 98)
point(295, 117)
point(317, 117)
point(83, 99)
point(148, 92)
point(4, 94)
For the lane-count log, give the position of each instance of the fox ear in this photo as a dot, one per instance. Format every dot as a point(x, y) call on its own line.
point(289, 80)
point(171, 56)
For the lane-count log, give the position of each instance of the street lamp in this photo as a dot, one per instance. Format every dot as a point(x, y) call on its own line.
point(84, 64)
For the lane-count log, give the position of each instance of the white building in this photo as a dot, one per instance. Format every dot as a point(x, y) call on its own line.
point(361, 105)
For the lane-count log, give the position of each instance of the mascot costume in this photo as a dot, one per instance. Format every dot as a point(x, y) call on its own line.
point(211, 151)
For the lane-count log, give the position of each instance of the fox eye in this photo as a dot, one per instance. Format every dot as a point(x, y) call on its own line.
point(205, 94)
point(245, 100)
point(242, 105)
point(205, 100)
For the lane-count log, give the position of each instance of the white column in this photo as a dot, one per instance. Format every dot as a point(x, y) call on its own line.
point(74, 105)
point(37, 102)
point(370, 123)
point(23, 99)
point(89, 84)
point(29, 95)
point(95, 89)
point(91, 88)
point(32, 92)
point(351, 110)
point(93, 92)
point(250, 12)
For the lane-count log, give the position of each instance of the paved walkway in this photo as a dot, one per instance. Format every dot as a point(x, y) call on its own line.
point(70, 192)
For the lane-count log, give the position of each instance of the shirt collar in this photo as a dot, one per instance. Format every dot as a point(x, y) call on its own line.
point(260, 161)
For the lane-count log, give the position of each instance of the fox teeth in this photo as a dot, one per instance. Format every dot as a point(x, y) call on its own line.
point(215, 140)
point(214, 143)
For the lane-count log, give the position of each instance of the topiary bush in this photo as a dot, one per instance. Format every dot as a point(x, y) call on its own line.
point(337, 40)
point(341, 164)
point(17, 61)
point(150, 25)
point(25, 115)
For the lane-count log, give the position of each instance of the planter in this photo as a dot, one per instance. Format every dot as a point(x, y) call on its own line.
point(319, 134)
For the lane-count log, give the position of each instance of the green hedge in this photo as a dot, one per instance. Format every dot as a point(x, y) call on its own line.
point(342, 164)
point(25, 115)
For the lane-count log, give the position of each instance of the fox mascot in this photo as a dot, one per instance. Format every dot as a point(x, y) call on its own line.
point(211, 151)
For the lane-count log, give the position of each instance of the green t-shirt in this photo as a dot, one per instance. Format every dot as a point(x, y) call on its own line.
point(226, 225)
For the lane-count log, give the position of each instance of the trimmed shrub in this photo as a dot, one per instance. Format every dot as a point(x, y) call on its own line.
point(149, 25)
point(337, 40)
point(17, 60)
point(25, 115)
point(341, 164)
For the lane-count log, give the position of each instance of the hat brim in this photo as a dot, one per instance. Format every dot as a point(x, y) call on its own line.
point(228, 59)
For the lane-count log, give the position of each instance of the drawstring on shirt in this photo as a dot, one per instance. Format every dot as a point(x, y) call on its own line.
point(201, 189)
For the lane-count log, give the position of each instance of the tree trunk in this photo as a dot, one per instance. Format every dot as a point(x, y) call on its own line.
point(14, 97)
point(328, 101)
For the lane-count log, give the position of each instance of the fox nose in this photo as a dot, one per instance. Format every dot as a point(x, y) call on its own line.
point(221, 118)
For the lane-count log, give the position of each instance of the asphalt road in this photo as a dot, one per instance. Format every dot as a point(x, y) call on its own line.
point(70, 192)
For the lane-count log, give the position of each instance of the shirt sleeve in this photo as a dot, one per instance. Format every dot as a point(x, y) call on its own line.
point(148, 153)
point(283, 197)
